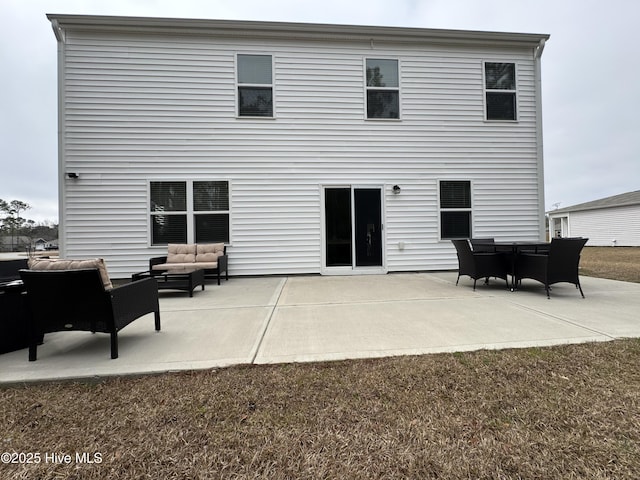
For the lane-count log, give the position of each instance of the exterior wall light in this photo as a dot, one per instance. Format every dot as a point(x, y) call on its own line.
point(396, 189)
point(73, 175)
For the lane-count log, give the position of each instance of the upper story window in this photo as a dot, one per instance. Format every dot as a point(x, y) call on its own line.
point(383, 88)
point(455, 209)
point(255, 85)
point(500, 91)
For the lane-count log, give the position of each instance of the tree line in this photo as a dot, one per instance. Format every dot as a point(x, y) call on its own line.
point(18, 232)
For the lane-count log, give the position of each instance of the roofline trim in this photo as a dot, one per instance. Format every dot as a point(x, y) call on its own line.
point(251, 28)
point(577, 208)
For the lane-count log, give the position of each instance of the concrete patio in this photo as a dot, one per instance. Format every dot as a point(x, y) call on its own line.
point(313, 318)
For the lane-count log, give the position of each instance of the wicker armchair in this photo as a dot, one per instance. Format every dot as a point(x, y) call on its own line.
point(560, 264)
point(14, 334)
point(64, 300)
point(480, 264)
point(10, 269)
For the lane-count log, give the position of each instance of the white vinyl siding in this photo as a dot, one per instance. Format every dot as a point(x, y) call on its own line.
point(604, 225)
point(162, 106)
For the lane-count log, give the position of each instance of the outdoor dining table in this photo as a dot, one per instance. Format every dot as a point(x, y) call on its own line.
point(514, 249)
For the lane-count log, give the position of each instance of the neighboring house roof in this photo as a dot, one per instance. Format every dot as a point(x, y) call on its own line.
point(622, 200)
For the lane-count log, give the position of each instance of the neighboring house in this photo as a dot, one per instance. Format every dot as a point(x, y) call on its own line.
point(39, 244)
point(305, 148)
point(612, 221)
point(51, 245)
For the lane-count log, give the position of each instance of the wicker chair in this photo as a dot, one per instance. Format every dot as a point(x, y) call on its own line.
point(10, 269)
point(14, 334)
point(483, 244)
point(64, 300)
point(560, 264)
point(480, 264)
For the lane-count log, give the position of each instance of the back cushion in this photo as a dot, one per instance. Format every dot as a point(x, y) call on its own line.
point(61, 264)
point(209, 252)
point(181, 253)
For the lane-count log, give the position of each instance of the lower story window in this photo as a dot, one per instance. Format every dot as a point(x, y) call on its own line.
point(189, 211)
point(455, 209)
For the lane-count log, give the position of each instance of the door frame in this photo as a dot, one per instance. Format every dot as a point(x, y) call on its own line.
point(353, 269)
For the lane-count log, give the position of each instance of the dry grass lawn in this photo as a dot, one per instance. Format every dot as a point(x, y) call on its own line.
point(551, 413)
point(620, 263)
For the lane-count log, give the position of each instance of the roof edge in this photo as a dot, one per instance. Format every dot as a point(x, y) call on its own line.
point(621, 200)
point(290, 28)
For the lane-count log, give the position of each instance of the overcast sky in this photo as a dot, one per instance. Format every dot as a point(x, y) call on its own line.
point(590, 79)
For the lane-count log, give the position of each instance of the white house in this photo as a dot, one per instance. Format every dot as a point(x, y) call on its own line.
point(612, 221)
point(306, 148)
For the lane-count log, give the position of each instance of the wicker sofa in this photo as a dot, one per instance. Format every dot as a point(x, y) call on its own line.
point(211, 257)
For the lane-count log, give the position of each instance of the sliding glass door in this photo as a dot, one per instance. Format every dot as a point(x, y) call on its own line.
point(337, 205)
point(353, 227)
point(368, 227)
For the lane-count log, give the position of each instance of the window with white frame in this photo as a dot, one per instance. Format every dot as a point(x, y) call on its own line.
point(383, 88)
point(455, 209)
point(255, 85)
point(193, 211)
point(500, 91)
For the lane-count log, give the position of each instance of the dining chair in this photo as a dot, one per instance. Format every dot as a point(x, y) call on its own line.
point(483, 244)
point(560, 264)
point(479, 264)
